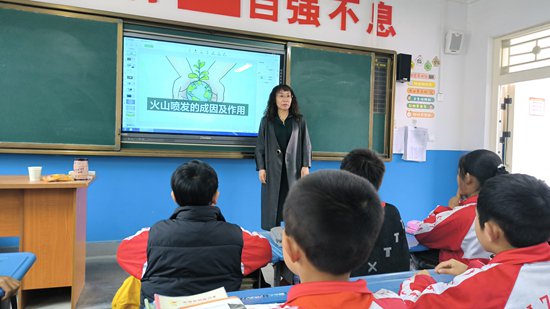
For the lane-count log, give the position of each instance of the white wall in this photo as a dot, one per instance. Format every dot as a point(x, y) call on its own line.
point(423, 31)
point(488, 19)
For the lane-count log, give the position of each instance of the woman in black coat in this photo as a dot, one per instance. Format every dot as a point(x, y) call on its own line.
point(283, 152)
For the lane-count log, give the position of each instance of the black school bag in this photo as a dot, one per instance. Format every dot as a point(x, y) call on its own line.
point(391, 251)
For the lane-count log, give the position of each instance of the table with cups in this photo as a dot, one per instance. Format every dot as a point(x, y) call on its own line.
point(50, 220)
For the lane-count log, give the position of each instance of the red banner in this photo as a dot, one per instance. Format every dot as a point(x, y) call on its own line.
point(220, 7)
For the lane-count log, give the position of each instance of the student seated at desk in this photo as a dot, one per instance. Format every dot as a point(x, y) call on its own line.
point(332, 219)
point(513, 222)
point(9, 285)
point(390, 252)
point(451, 229)
point(195, 250)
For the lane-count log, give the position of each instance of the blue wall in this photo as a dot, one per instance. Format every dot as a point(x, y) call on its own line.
point(134, 192)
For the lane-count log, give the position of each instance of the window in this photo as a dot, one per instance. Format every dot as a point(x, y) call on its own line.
point(525, 52)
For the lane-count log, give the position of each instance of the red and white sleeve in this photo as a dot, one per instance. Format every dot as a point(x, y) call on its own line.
point(256, 252)
point(132, 253)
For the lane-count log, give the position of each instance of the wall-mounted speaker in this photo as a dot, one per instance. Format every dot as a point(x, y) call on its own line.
point(453, 42)
point(403, 69)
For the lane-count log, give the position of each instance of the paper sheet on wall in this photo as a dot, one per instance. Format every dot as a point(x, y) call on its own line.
point(416, 142)
point(399, 140)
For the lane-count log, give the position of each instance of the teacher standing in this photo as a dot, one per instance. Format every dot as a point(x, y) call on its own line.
point(283, 152)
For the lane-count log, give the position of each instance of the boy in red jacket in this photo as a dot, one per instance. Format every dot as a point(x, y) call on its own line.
point(195, 250)
point(513, 222)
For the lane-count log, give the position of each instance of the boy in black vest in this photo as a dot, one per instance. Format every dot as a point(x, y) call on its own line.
point(195, 250)
point(391, 251)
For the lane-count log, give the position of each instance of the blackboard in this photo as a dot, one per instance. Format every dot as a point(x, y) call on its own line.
point(60, 85)
point(58, 81)
point(333, 88)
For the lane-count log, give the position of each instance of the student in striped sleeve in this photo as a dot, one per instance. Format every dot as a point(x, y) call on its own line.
point(450, 229)
point(513, 222)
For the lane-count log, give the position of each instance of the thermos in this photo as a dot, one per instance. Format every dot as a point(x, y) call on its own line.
point(80, 169)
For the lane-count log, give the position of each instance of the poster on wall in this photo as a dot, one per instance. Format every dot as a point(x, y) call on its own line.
point(536, 106)
point(416, 100)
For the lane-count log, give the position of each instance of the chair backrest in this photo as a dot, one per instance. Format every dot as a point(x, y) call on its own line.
point(391, 251)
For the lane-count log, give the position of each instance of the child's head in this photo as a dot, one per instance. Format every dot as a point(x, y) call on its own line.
point(516, 204)
point(480, 164)
point(334, 217)
point(365, 163)
point(194, 183)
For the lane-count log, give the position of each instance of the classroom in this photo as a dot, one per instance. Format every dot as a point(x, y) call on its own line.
point(132, 189)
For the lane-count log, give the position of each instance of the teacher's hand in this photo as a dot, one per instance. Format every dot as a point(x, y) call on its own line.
point(263, 178)
point(305, 171)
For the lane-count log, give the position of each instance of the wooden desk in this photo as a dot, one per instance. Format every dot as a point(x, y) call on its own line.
point(50, 220)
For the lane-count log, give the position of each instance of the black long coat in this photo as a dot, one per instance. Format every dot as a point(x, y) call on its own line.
point(298, 155)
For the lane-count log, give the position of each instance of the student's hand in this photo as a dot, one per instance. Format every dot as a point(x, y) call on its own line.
point(453, 202)
point(305, 171)
point(451, 267)
point(423, 272)
point(263, 176)
point(9, 285)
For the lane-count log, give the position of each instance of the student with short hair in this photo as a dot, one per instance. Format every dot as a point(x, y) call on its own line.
point(513, 223)
point(332, 219)
point(391, 251)
point(195, 250)
point(451, 229)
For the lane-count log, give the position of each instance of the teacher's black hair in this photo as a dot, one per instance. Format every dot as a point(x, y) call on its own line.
point(271, 109)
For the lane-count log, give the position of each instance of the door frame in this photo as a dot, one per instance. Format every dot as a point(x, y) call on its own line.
point(498, 80)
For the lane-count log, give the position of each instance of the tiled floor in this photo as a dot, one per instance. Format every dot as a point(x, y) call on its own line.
point(103, 278)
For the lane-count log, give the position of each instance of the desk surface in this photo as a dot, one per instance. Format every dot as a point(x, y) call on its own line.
point(22, 182)
point(390, 282)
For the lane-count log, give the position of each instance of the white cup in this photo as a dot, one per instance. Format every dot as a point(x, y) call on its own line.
point(34, 173)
